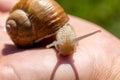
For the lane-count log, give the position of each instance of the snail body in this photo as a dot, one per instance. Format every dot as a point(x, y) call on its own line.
point(66, 40)
point(30, 21)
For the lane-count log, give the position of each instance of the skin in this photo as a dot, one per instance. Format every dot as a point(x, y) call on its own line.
point(96, 58)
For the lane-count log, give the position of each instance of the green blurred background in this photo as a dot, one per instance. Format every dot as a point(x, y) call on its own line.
point(105, 13)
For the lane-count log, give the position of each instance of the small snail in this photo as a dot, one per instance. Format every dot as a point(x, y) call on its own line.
point(31, 21)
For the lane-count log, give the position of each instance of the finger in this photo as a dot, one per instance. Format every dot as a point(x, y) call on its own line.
point(6, 5)
point(44, 64)
point(98, 51)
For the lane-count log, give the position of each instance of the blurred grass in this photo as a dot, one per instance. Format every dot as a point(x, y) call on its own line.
point(105, 13)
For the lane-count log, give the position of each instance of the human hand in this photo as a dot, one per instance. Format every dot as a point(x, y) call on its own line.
point(96, 57)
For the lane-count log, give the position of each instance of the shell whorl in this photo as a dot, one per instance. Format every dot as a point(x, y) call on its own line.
point(46, 17)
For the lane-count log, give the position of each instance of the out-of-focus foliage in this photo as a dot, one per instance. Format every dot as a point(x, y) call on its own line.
point(102, 12)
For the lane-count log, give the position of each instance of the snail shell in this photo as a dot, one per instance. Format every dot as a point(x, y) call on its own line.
point(30, 21)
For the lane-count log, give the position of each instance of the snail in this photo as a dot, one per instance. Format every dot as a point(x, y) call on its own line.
point(31, 21)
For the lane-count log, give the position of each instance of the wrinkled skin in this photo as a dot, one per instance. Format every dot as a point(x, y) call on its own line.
point(96, 57)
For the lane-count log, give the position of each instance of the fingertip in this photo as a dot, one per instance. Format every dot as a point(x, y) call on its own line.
point(6, 5)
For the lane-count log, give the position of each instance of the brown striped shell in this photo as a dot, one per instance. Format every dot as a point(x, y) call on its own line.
point(30, 21)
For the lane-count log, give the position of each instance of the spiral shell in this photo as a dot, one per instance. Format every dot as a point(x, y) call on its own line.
point(30, 21)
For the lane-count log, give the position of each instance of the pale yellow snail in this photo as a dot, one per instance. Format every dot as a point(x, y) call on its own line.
point(30, 21)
